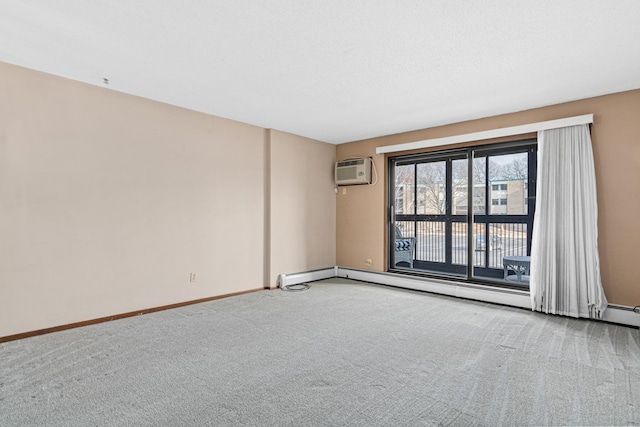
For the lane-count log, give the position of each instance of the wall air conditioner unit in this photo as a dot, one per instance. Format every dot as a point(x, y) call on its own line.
point(353, 171)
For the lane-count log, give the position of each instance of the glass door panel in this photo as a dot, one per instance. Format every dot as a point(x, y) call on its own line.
point(459, 202)
point(502, 181)
point(431, 186)
point(404, 194)
point(436, 221)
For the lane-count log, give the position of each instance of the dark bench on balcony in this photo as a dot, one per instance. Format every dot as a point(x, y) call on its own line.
point(519, 266)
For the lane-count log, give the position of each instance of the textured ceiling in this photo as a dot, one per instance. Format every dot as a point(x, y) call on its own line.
point(334, 70)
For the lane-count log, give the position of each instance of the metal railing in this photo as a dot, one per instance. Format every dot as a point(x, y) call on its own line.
point(503, 239)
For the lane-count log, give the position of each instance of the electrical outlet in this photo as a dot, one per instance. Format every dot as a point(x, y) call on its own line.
point(368, 262)
point(192, 277)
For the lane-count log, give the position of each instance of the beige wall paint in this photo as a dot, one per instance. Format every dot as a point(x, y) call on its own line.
point(616, 143)
point(303, 205)
point(109, 202)
point(360, 214)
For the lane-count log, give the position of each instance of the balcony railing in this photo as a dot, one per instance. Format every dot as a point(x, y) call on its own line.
point(503, 239)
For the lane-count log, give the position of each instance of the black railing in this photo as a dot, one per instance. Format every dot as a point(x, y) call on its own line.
point(503, 239)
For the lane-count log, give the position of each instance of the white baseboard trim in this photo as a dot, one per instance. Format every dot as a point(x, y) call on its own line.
point(289, 279)
point(622, 314)
point(615, 313)
point(462, 290)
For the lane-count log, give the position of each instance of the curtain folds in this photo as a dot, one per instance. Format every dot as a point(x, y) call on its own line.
point(565, 266)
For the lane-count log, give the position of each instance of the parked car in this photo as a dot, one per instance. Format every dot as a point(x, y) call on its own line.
point(495, 242)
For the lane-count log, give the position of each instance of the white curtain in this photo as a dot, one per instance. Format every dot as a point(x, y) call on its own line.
point(565, 266)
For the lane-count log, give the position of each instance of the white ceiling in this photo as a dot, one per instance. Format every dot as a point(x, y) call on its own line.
point(334, 70)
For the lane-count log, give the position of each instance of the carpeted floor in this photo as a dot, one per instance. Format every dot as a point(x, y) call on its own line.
point(342, 353)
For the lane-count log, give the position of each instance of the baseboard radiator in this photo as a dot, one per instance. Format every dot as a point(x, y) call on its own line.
point(291, 279)
point(615, 313)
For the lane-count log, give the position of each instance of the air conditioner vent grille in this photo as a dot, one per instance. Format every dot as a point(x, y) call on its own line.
point(353, 171)
point(351, 162)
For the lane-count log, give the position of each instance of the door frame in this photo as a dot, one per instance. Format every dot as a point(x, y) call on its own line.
point(458, 272)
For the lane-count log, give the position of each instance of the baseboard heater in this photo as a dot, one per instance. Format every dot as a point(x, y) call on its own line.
point(291, 279)
point(615, 313)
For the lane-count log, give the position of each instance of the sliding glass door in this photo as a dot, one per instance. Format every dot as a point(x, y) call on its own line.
point(433, 230)
point(503, 220)
point(427, 197)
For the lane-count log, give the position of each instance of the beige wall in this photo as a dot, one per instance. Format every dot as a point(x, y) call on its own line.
point(109, 202)
point(361, 213)
point(616, 142)
point(303, 205)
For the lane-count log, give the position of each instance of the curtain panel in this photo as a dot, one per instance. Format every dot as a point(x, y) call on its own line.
point(565, 266)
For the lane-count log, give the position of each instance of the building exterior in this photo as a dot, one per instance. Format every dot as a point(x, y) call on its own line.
point(508, 196)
